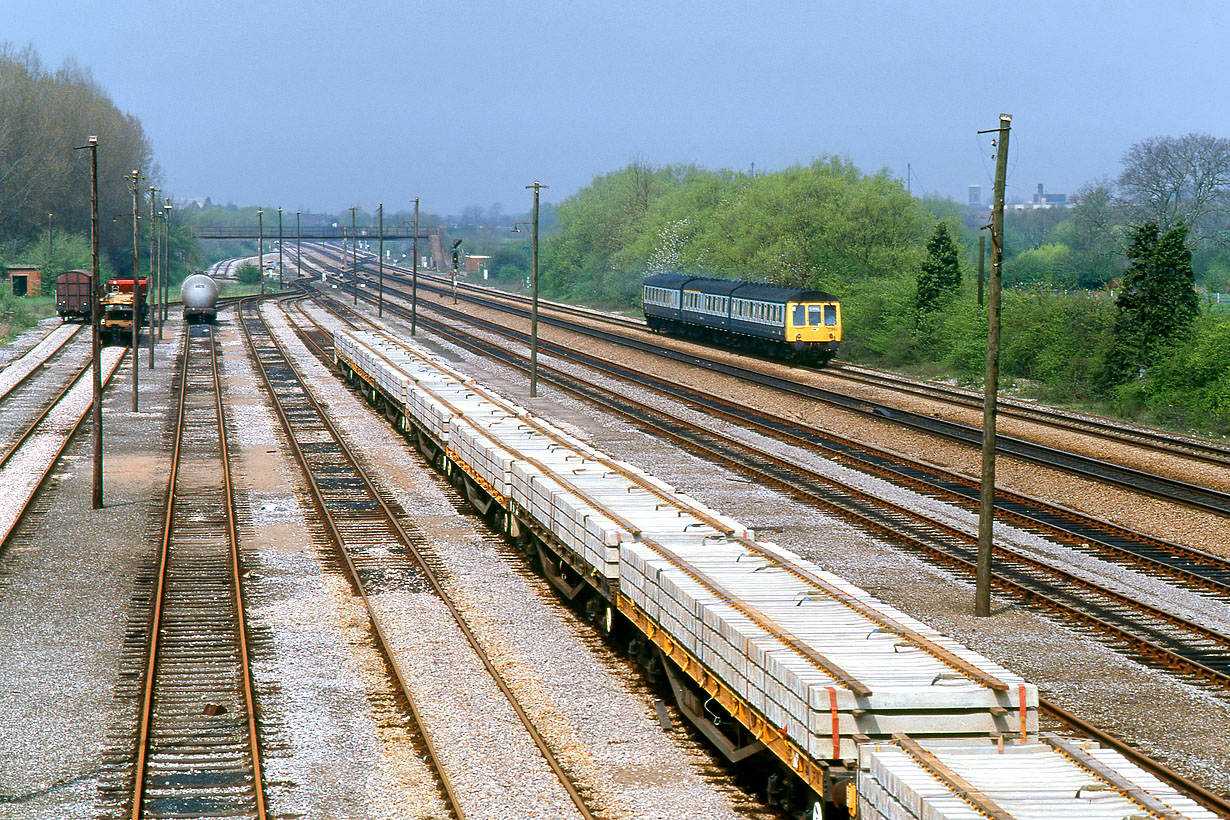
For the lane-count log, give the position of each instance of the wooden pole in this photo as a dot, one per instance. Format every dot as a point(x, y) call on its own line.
point(380, 263)
point(986, 512)
point(534, 295)
point(982, 272)
point(414, 277)
point(136, 293)
point(96, 421)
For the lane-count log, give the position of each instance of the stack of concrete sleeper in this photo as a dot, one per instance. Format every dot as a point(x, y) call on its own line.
point(757, 625)
point(1026, 781)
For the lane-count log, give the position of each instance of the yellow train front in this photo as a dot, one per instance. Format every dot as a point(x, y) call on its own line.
point(117, 310)
point(793, 323)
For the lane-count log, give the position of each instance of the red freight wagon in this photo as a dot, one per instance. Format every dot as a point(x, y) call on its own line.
point(73, 295)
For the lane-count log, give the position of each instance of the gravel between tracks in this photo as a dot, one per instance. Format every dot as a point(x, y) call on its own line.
point(335, 742)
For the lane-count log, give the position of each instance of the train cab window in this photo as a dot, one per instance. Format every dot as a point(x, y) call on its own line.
point(815, 315)
point(830, 315)
point(800, 316)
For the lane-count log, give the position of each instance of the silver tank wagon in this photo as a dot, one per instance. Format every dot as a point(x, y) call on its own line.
point(199, 294)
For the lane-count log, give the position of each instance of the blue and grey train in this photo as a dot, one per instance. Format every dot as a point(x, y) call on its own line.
point(791, 323)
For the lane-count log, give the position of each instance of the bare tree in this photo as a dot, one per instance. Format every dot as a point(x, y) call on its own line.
point(1168, 180)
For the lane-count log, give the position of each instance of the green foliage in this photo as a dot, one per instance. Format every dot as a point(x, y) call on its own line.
point(1054, 340)
point(1157, 302)
point(1190, 382)
point(1052, 264)
point(44, 115)
point(18, 313)
point(248, 274)
point(825, 225)
point(939, 278)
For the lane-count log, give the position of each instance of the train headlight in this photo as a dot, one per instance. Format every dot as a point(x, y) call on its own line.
point(798, 337)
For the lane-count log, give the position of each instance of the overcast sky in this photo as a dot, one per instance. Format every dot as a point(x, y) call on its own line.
point(320, 106)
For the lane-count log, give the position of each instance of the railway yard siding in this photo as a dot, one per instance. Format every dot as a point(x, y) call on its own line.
point(808, 656)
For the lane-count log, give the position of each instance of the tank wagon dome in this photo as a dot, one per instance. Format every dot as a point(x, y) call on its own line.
point(199, 292)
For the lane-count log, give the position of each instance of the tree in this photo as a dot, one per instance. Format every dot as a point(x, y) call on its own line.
point(1157, 303)
point(939, 279)
point(1168, 180)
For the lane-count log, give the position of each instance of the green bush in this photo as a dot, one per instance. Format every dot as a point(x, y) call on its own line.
point(248, 274)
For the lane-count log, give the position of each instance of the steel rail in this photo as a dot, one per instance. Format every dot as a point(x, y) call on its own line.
point(159, 597)
point(33, 425)
point(4, 536)
point(41, 363)
point(430, 576)
point(1200, 794)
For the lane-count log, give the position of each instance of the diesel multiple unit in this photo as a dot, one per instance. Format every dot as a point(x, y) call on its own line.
point(864, 709)
point(789, 322)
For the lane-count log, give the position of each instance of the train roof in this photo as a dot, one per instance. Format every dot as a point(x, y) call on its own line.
point(732, 287)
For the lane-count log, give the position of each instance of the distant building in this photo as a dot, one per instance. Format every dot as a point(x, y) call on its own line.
point(24, 280)
point(1045, 200)
point(975, 195)
point(477, 264)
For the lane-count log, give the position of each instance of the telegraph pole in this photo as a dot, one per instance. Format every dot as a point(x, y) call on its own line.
point(260, 245)
point(281, 284)
point(414, 276)
point(155, 282)
point(95, 345)
point(298, 246)
point(136, 292)
point(354, 255)
point(982, 252)
point(986, 512)
point(164, 264)
point(534, 295)
point(380, 263)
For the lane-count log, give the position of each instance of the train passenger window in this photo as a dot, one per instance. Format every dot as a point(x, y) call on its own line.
point(830, 315)
point(800, 316)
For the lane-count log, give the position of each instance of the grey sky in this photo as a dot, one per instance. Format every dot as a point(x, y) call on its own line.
point(320, 105)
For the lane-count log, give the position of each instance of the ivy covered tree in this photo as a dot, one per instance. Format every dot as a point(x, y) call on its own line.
point(1157, 301)
point(939, 279)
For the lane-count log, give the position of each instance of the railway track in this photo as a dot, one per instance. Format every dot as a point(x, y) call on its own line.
point(1136, 480)
point(375, 547)
point(1179, 564)
point(1148, 634)
point(18, 372)
point(197, 750)
point(1161, 441)
point(31, 399)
